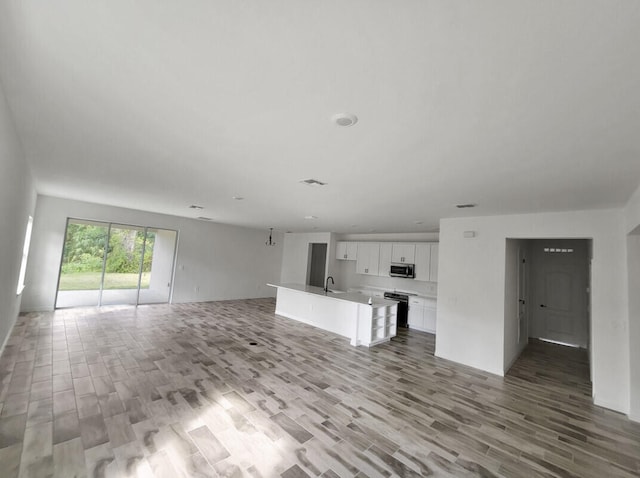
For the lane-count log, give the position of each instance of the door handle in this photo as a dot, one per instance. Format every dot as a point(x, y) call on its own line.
point(542, 305)
point(521, 301)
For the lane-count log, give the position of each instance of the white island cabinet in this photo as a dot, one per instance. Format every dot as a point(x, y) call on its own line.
point(346, 314)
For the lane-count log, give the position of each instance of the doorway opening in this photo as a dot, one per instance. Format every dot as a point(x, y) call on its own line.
point(560, 283)
point(547, 301)
point(115, 264)
point(317, 264)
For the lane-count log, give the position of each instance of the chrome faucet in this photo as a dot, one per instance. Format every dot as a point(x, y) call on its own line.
point(326, 284)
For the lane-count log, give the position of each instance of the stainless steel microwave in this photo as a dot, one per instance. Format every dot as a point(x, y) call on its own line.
point(402, 270)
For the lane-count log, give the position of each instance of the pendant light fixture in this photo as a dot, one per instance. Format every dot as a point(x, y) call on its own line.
point(270, 241)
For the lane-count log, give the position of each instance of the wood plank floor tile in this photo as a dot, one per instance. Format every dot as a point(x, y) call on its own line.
point(66, 427)
point(177, 390)
point(12, 430)
point(68, 459)
point(93, 431)
point(10, 460)
point(37, 450)
point(208, 444)
point(101, 462)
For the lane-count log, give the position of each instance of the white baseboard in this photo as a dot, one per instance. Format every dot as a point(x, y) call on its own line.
point(6, 339)
point(610, 405)
point(37, 309)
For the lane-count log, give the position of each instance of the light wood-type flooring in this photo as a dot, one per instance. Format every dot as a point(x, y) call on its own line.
point(230, 389)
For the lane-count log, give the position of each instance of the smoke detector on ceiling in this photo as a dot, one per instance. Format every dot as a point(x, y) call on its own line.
point(344, 119)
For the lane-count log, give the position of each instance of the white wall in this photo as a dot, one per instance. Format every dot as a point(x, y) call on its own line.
point(220, 261)
point(162, 262)
point(17, 202)
point(632, 225)
point(471, 292)
point(295, 256)
point(633, 258)
point(632, 211)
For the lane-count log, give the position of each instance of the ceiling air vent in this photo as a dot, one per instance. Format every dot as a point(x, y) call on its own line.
point(464, 206)
point(194, 206)
point(312, 182)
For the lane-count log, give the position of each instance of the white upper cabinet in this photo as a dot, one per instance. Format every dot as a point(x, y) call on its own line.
point(375, 258)
point(384, 265)
point(427, 262)
point(368, 258)
point(423, 261)
point(346, 251)
point(403, 253)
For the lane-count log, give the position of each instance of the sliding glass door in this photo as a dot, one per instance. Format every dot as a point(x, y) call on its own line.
point(108, 264)
point(122, 273)
point(80, 281)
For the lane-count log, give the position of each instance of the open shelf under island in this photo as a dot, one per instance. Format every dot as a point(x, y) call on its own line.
point(344, 313)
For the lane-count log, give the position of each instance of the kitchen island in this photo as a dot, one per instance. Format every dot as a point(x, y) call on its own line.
point(344, 313)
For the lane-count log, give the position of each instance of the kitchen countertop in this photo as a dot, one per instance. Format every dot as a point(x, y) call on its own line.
point(380, 289)
point(337, 295)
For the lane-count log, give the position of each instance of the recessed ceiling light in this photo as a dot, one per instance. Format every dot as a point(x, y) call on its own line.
point(194, 206)
point(312, 182)
point(463, 206)
point(344, 119)
point(311, 217)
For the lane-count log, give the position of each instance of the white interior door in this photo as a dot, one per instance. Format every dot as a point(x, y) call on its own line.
point(561, 296)
point(523, 332)
point(561, 312)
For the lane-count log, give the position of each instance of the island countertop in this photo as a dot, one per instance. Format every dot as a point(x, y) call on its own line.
point(356, 297)
point(343, 313)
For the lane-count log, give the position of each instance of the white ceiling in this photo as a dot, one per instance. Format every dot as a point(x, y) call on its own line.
point(518, 106)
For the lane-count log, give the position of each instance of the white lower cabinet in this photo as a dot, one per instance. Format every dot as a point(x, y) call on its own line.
point(430, 319)
point(422, 314)
point(415, 316)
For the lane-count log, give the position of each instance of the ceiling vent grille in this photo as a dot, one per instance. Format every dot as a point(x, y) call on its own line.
point(312, 182)
point(195, 206)
point(464, 206)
